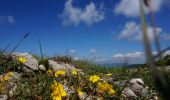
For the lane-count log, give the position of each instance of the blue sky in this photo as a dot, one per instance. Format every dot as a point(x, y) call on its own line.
point(106, 29)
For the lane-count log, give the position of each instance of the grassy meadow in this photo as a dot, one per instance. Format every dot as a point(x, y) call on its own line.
point(87, 80)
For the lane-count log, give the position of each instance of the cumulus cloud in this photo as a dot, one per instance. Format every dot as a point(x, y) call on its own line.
point(128, 55)
point(119, 55)
point(72, 51)
point(92, 50)
point(75, 15)
point(76, 58)
point(11, 19)
point(132, 7)
point(132, 31)
point(165, 36)
point(136, 57)
point(7, 19)
point(132, 57)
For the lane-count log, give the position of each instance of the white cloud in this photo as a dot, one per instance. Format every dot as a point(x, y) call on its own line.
point(7, 19)
point(72, 51)
point(132, 31)
point(11, 19)
point(119, 55)
point(132, 7)
point(165, 36)
point(128, 55)
point(132, 57)
point(75, 15)
point(76, 58)
point(92, 50)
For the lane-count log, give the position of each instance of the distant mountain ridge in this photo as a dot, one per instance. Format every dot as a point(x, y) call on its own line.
point(119, 65)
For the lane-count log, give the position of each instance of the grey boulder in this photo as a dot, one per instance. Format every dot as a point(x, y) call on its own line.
point(30, 64)
point(3, 97)
point(54, 66)
point(41, 67)
point(136, 80)
point(10, 85)
point(128, 93)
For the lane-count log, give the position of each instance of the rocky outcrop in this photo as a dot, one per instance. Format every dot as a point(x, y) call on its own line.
point(127, 92)
point(3, 97)
point(54, 66)
point(42, 68)
point(8, 80)
point(134, 89)
point(31, 64)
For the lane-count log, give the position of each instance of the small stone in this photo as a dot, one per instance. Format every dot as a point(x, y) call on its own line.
point(137, 88)
point(3, 97)
point(140, 81)
point(12, 90)
point(132, 81)
point(31, 63)
point(54, 66)
point(144, 92)
point(41, 67)
point(27, 70)
point(129, 93)
point(136, 80)
point(155, 98)
point(94, 98)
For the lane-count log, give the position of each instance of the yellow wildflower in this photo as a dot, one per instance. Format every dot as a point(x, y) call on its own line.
point(105, 87)
point(10, 73)
point(1, 87)
point(79, 92)
point(49, 71)
point(109, 74)
point(111, 92)
point(22, 59)
point(94, 78)
point(82, 95)
point(74, 72)
point(57, 91)
point(6, 76)
point(59, 73)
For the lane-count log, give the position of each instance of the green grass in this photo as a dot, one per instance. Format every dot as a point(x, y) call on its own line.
point(37, 85)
